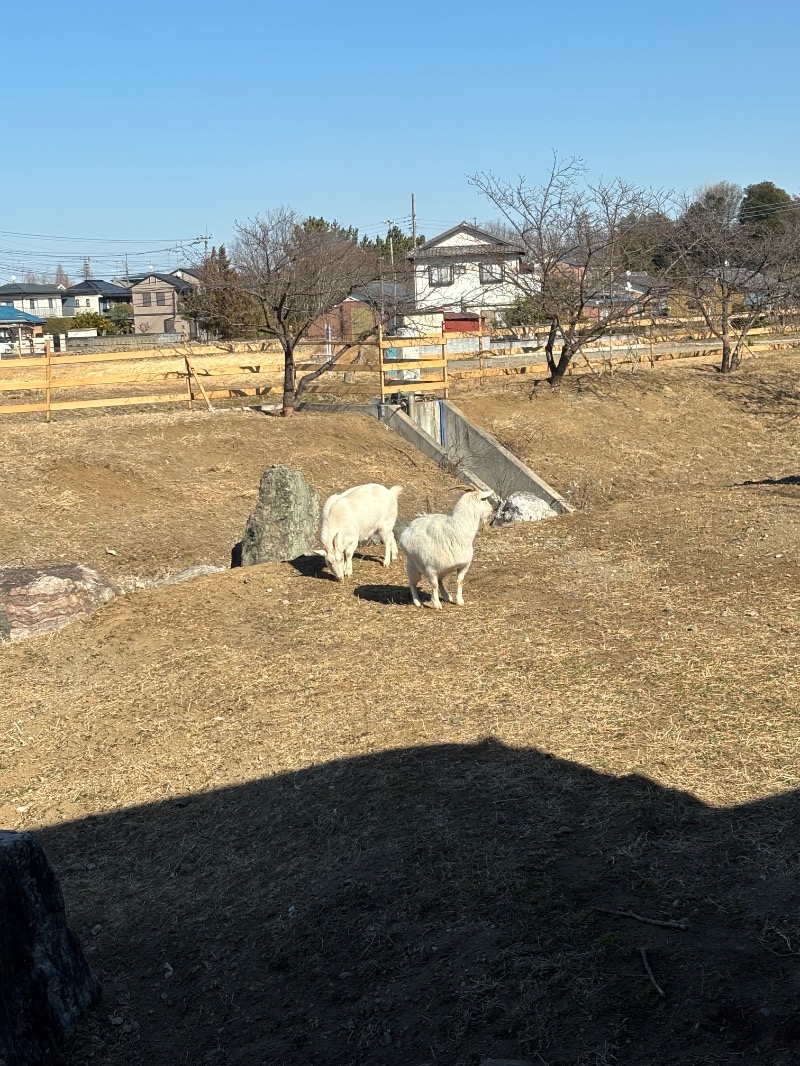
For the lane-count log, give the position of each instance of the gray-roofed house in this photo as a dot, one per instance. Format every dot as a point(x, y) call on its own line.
point(466, 269)
point(45, 301)
point(156, 305)
point(95, 295)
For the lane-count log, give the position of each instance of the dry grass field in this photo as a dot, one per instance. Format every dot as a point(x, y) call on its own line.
point(300, 822)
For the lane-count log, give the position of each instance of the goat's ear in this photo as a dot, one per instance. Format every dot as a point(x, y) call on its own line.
point(319, 551)
point(335, 543)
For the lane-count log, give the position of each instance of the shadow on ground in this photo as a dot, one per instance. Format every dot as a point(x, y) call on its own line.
point(385, 594)
point(437, 905)
point(792, 479)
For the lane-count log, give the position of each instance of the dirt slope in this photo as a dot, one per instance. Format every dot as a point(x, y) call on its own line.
point(166, 491)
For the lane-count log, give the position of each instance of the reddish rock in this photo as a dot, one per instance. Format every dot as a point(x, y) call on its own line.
point(40, 600)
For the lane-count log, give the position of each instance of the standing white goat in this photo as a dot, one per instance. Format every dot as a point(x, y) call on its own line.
point(350, 518)
point(437, 545)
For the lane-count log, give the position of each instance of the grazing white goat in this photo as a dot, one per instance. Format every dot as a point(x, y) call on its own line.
point(349, 518)
point(437, 545)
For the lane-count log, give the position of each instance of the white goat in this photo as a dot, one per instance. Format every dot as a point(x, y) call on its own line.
point(437, 545)
point(352, 517)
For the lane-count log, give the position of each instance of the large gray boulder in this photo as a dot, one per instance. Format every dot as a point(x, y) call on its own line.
point(285, 522)
point(45, 981)
point(36, 600)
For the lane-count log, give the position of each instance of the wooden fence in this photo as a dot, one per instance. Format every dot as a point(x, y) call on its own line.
point(200, 374)
point(405, 375)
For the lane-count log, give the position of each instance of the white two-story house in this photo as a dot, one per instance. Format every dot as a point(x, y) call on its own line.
point(44, 301)
point(466, 269)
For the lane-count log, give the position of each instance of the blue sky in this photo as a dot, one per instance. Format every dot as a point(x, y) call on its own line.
point(192, 115)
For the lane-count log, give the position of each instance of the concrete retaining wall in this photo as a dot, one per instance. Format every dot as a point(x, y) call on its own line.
point(486, 457)
point(470, 453)
point(132, 342)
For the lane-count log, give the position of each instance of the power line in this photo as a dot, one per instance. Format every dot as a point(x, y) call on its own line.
point(97, 240)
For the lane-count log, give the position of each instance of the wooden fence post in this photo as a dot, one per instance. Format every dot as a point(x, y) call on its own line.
point(188, 382)
point(48, 372)
point(380, 362)
point(480, 350)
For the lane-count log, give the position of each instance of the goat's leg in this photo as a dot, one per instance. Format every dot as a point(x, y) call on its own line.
point(390, 546)
point(433, 578)
point(348, 562)
point(444, 591)
point(413, 582)
point(462, 573)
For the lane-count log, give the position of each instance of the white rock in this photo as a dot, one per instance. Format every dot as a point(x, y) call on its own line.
point(522, 507)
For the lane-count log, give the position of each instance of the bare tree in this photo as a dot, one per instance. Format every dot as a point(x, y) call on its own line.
point(730, 269)
point(575, 235)
point(62, 277)
point(296, 272)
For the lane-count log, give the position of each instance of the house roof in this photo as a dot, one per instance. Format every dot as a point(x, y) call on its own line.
point(194, 272)
point(752, 280)
point(17, 288)
point(9, 314)
point(96, 287)
point(170, 279)
point(432, 248)
point(371, 292)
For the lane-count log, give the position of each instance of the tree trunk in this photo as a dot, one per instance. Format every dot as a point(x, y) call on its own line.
point(548, 348)
point(288, 381)
point(559, 369)
point(727, 360)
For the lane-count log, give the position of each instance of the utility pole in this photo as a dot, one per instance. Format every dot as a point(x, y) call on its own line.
point(413, 224)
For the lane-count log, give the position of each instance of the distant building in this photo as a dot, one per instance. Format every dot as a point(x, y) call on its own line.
point(95, 295)
point(156, 305)
point(466, 269)
point(358, 314)
point(17, 329)
point(191, 274)
point(46, 301)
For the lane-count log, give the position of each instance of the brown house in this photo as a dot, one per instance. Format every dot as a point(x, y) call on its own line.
point(357, 315)
point(156, 305)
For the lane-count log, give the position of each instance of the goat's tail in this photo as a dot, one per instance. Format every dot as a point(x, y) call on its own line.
point(397, 489)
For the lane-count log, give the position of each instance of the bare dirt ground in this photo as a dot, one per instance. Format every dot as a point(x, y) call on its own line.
point(170, 490)
point(298, 822)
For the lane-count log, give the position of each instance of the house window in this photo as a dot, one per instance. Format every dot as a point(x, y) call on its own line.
point(32, 304)
point(161, 299)
point(492, 273)
point(50, 304)
point(440, 275)
point(147, 299)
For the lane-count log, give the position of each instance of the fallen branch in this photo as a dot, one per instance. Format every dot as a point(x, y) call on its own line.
point(646, 921)
point(650, 973)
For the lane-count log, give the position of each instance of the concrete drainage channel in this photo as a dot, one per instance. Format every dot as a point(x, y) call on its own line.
point(442, 432)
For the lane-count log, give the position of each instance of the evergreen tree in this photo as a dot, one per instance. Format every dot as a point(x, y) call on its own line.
point(218, 304)
point(763, 204)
